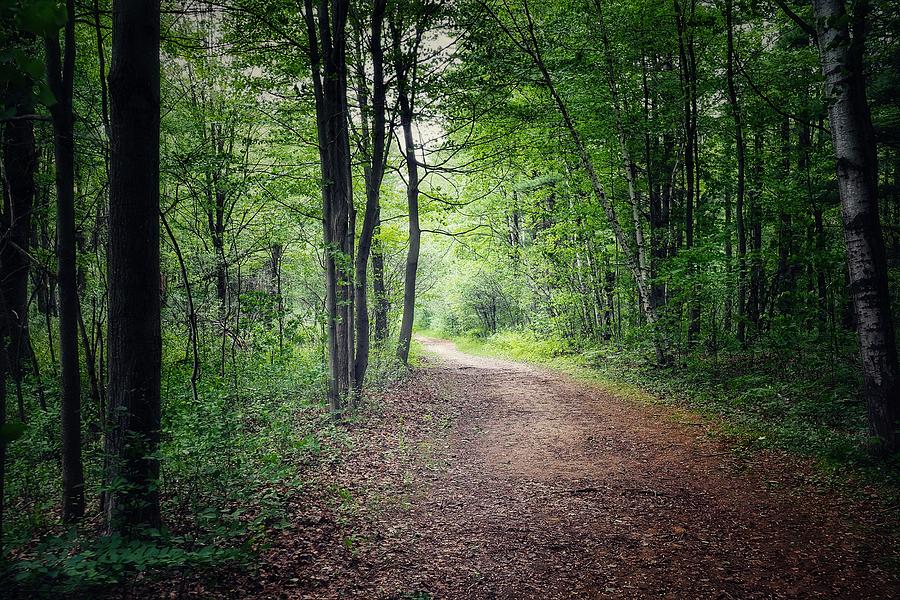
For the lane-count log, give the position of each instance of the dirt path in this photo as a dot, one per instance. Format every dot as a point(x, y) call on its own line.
point(556, 490)
point(483, 478)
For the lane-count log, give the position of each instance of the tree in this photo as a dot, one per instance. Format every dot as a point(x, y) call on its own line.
point(133, 269)
point(741, 179)
point(850, 122)
point(19, 166)
point(327, 49)
point(406, 62)
point(375, 152)
point(61, 74)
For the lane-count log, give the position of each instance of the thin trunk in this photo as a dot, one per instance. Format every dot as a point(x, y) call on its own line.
point(60, 74)
point(630, 168)
point(729, 270)
point(688, 84)
point(19, 166)
point(785, 279)
point(378, 288)
point(415, 234)
point(90, 362)
point(192, 314)
point(4, 369)
point(741, 179)
point(755, 299)
point(374, 173)
point(405, 67)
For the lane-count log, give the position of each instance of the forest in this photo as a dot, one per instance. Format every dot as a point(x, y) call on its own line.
point(449, 298)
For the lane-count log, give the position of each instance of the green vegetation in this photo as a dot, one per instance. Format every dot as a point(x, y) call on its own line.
point(221, 221)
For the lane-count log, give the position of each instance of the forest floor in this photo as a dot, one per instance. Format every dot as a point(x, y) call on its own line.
point(484, 478)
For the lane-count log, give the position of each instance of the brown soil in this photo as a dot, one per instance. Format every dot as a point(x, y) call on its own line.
point(483, 478)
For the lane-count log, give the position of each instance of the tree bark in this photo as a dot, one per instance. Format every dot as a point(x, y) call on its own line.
point(374, 174)
point(755, 298)
point(741, 177)
point(60, 75)
point(851, 129)
point(406, 73)
point(19, 166)
point(327, 53)
point(415, 233)
point(134, 340)
point(378, 288)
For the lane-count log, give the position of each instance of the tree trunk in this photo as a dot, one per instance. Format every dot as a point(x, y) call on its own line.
point(19, 165)
point(415, 234)
point(60, 75)
point(192, 313)
point(405, 67)
point(783, 287)
point(741, 179)
point(135, 343)
point(4, 368)
point(378, 288)
point(327, 53)
point(374, 173)
point(854, 149)
point(755, 299)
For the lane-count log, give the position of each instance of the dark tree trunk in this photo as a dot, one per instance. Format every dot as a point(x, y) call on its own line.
point(854, 149)
point(786, 276)
point(415, 234)
point(727, 317)
point(277, 258)
point(19, 166)
point(4, 369)
point(327, 50)
point(134, 344)
point(688, 85)
point(755, 299)
point(379, 289)
point(741, 178)
point(60, 74)
point(405, 64)
point(374, 173)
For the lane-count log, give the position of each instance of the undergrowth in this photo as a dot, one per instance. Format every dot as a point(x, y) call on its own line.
point(229, 461)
